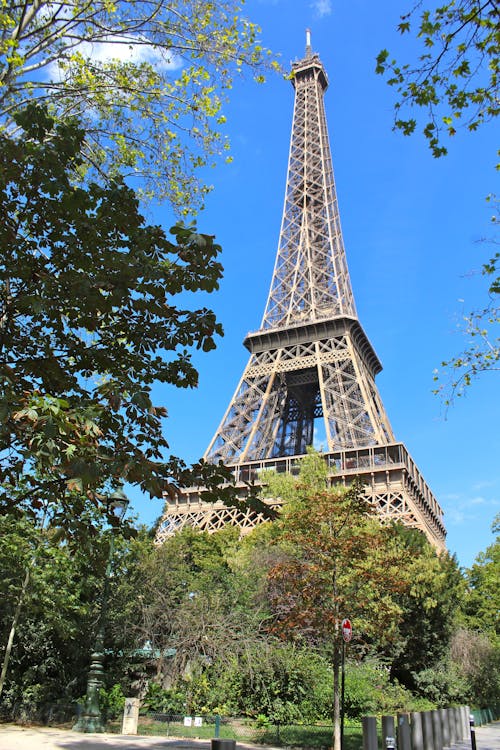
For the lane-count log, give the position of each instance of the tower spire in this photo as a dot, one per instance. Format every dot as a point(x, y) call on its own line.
point(312, 369)
point(308, 43)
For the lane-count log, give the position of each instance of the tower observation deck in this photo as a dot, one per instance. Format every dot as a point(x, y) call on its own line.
point(311, 366)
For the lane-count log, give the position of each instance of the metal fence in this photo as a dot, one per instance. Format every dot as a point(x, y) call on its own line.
point(247, 730)
point(485, 715)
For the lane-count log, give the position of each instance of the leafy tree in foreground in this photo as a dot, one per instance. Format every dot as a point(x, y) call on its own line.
point(145, 79)
point(456, 78)
point(340, 563)
point(88, 322)
point(455, 82)
point(183, 600)
point(475, 657)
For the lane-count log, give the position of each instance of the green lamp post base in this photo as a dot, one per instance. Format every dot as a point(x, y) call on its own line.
point(91, 720)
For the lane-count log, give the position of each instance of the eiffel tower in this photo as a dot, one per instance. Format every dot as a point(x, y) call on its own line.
point(312, 368)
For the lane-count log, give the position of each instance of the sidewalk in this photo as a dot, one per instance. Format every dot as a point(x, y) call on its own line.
point(14, 737)
point(47, 738)
point(487, 738)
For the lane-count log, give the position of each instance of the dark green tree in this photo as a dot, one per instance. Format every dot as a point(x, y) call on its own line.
point(88, 323)
point(56, 613)
point(181, 603)
point(482, 603)
point(430, 606)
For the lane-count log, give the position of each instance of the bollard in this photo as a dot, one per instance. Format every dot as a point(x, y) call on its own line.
point(404, 739)
point(445, 727)
point(417, 737)
point(472, 733)
point(370, 741)
point(453, 727)
point(458, 720)
point(436, 730)
point(427, 730)
point(388, 733)
point(465, 711)
point(217, 744)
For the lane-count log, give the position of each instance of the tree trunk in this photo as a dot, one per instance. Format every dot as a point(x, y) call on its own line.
point(12, 633)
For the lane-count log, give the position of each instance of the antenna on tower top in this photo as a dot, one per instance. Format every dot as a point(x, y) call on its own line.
point(308, 43)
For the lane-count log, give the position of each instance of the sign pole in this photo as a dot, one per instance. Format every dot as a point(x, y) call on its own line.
point(342, 692)
point(346, 637)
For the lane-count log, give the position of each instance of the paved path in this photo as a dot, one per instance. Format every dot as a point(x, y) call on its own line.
point(487, 738)
point(48, 738)
point(45, 738)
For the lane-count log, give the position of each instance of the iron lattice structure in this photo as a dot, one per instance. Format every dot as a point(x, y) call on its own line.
point(311, 367)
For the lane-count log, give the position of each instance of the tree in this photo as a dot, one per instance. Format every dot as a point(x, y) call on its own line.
point(431, 608)
point(456, 77)
point(455, 81)
point(182, 600)
point(146, 81)
point(482, 352)
point(482, 604)
point(468, 670)
point(480, 355)
point(476, 658)
point(340, 562)
point(58, 613)
point(88, 323)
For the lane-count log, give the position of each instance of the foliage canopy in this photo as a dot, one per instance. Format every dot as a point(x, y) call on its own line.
point(88, 322)
point(145, 79)
point(456, 78)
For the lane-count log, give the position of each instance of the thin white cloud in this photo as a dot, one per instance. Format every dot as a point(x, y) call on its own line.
point(450, 496)
point(122, 50)
point(455, 516)
point(477, 501)
point(484, 484)
point(125, 50)
point(322, 7)
point(462, 509)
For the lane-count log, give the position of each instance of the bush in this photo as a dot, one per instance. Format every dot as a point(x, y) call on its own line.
point(112, 701)
point(368, 690)
point(164, 700)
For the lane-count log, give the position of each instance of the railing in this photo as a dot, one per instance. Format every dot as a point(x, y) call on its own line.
point(350, 462)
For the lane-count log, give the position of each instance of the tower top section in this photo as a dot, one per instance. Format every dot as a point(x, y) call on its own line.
point(311, 281)
point(310, 67)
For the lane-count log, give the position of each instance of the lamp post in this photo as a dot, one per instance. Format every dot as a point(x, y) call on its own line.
point(91, 719)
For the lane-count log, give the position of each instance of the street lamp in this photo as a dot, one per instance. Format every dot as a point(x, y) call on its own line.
point(91, 719)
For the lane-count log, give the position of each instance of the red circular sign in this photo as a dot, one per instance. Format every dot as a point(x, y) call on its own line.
point(346, 630)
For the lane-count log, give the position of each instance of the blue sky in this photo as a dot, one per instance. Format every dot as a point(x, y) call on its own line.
point(412, 227)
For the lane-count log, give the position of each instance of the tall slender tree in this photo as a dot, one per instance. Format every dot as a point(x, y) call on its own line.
point(340, 562)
